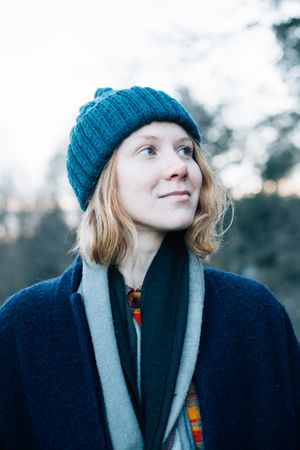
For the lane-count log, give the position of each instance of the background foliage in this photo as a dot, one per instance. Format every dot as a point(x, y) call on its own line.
point(264, 239)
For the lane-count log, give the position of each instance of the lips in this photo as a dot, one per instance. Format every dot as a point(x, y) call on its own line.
point(176, 193)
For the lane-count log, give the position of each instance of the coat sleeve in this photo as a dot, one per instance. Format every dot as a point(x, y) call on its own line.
point(294, 360)
point(15, 422)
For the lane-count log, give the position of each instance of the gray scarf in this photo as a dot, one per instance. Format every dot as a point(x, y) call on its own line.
point(124, 428)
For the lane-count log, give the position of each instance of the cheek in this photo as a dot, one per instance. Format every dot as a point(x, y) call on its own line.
point(125, 177)
point(137, 179)
point(196, 177)
point(133, 192)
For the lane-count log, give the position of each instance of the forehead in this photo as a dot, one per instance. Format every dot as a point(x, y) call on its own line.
point(159, 130)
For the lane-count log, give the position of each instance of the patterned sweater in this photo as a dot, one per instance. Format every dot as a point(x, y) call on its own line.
point(191, 402)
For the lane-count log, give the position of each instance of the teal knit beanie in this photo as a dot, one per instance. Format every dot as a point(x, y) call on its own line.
point(105, 122)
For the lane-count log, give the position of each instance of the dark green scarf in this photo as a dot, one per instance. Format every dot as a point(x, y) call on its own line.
point(164, 309)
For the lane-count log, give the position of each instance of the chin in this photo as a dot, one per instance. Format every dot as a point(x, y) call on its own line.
point(182, 227)
point(178, 226)
point(168, 224)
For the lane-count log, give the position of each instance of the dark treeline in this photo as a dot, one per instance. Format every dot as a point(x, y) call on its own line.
point(263, 243)
point(39, 252)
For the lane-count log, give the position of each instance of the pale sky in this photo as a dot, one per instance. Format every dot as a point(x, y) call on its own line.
point(55, 54)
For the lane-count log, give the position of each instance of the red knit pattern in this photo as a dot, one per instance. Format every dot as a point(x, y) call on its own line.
point(193, 412)
point(191, 402)
point(134, 298)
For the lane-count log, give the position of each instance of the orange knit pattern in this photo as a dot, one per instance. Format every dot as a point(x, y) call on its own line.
point(193, 412)
point(191, 401)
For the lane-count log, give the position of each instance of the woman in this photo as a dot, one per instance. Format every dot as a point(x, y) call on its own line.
point(136, 346)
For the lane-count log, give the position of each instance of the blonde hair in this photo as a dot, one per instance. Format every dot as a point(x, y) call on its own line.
point(106, 233)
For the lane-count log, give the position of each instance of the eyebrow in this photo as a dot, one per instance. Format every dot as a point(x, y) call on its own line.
point(179, 140)
point(146, 136)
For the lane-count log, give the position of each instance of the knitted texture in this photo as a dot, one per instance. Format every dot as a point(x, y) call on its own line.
point(105, 122)
point(134, 298)
point(193, 412)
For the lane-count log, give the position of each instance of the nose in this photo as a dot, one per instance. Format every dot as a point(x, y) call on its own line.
point(175, 168)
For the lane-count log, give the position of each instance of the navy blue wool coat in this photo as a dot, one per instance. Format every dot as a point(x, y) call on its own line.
point(247, 374)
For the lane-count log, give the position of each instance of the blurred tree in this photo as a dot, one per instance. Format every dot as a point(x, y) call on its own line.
point(55, 175)
point(283, 151)
point(48, 247)
point(7, 194)
point(42, 254)
point(218, 138)
point(279, 155)
point(38, 248)
point(288, 36)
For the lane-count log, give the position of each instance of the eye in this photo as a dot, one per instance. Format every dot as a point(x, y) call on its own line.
point(186, 151)
point(148, 151)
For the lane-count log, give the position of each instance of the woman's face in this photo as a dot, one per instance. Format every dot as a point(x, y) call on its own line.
point(158, 181)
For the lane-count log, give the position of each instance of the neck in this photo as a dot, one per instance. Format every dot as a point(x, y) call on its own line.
point(134, 267)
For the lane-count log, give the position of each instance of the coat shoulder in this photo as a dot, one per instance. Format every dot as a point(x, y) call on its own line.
point(239, 292)
point(248, 310)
